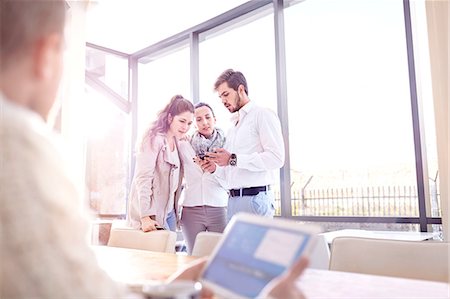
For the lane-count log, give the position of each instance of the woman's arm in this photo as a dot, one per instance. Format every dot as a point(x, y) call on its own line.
point(144, 174)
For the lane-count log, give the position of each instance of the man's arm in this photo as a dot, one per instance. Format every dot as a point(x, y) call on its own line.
point(272, 143)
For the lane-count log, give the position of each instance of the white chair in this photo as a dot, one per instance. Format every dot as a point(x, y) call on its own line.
point(160, 240)
point(428, 260)
point(320, 256)
point(205, 242)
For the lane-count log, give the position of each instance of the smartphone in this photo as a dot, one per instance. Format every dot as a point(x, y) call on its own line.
point(159, 227)
point(203, 156)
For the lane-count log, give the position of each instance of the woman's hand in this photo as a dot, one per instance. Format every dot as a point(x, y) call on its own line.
point(206, 164)
point(185, 137)
point(148, 224)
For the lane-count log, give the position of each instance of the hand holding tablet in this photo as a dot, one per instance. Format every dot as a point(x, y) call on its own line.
point(253, 251)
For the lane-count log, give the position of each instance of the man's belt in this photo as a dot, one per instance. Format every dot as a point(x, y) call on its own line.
point(251, 191)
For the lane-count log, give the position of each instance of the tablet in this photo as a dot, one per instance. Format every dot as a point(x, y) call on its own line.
point(254, 250)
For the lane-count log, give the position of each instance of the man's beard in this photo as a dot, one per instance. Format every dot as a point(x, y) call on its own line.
point(238, 103)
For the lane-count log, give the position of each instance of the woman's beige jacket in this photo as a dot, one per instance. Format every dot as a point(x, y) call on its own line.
point(153, 174)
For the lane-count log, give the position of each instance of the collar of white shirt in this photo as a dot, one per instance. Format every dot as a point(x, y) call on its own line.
point(241, 113)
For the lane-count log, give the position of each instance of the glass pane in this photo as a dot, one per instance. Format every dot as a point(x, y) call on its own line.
point(254, 59)
point(425, 95)
point(110, 69)
point(351, 137)
point(107, 154)
point(129, 26)
point(159, 80)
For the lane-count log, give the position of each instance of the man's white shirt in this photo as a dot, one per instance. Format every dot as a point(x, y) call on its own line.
point(258, 143)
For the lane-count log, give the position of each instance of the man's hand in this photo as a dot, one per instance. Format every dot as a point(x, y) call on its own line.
point(281, 287)
point(147, 224)
point(285, 286)
point(192, 272)
point(219, 156)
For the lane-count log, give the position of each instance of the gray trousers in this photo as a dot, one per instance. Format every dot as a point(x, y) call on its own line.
point(201, 218)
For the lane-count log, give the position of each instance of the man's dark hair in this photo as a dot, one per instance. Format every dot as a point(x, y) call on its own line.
point(202, 104)
point(233, 79)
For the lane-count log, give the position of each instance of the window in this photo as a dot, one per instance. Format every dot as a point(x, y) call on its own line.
point(159, 80)
point(247, 48)
point(350, 123)
point(425, 95)
point(109, 69)
point(255, 59)
point(107, 154)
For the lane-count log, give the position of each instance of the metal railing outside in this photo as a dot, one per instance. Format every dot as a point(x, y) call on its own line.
point(397, 201)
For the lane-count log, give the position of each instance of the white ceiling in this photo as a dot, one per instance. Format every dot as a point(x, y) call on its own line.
point(131, 25)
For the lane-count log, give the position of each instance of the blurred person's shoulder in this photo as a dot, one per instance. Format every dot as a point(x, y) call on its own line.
point(27, 142)
point(34, 168)
point(23, 128)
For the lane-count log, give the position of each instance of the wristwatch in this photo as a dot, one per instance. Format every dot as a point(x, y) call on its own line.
point(233, 160)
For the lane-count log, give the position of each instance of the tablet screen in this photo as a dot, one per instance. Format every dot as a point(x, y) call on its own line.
point(252, 254)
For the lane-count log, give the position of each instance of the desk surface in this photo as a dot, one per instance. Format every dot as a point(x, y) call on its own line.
point(137, 266)
point(391, 235)
point(344, 285)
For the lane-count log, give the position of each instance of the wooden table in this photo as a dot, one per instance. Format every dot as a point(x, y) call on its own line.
point(138, 266)
point(135, 266)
